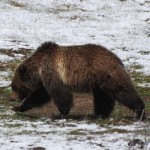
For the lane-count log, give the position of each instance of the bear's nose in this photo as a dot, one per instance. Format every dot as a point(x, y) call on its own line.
point(13, 96)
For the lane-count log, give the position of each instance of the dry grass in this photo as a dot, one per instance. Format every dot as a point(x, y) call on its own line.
point(82, 109)
point(83, 106)
point(16, 4)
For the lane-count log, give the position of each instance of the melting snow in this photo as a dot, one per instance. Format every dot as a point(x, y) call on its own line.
point(122, 26)
point(56, 134)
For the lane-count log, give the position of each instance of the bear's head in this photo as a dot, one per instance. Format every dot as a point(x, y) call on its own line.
point(25, 81)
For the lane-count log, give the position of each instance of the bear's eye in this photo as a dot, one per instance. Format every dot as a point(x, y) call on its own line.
point(22, 69)
point(14, 88)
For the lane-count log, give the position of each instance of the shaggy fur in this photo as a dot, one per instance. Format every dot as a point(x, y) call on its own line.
point(56, 72)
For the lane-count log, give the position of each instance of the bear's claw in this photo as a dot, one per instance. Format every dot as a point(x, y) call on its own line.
point(16, 109)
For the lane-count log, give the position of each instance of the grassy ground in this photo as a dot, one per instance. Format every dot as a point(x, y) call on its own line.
point(82, 112)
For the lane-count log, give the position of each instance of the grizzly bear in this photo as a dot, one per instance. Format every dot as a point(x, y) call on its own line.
point(55, 72)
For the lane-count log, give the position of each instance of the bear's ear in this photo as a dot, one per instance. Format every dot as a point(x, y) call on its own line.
point(22, 70)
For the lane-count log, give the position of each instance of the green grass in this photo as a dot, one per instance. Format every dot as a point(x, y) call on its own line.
point(144, 91)
point(4, 96)
point(77, 132)
point(82, 132)
point(147, 106)
point(16, 125)
point(110, 131)
point(140, 78)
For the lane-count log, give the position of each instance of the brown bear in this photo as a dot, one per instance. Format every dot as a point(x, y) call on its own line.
point(55, 72)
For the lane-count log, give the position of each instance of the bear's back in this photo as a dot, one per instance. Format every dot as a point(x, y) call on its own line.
point(84, 63)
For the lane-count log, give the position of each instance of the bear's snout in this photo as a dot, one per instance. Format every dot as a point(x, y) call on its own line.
point(13, 96)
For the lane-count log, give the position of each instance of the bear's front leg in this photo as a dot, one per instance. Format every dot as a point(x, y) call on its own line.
point(26, 105)
point(63, 99)
point(17, 109)
point(36, 99)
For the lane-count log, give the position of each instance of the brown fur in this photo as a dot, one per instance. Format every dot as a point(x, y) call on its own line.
point(61, 70)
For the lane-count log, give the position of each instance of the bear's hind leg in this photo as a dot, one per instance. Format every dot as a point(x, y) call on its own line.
point(131, 99)
point(103, 103)
point(63, 99)
point(125, 93)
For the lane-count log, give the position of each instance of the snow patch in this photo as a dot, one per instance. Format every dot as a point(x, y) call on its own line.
point(115, 24)
point(26, 134)
point(5, 58)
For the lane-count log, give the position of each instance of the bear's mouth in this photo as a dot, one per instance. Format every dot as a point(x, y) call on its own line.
point(23, 97)
point(19, 97)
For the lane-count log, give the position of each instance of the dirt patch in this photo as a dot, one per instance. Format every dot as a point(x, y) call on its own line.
point(37, 148)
